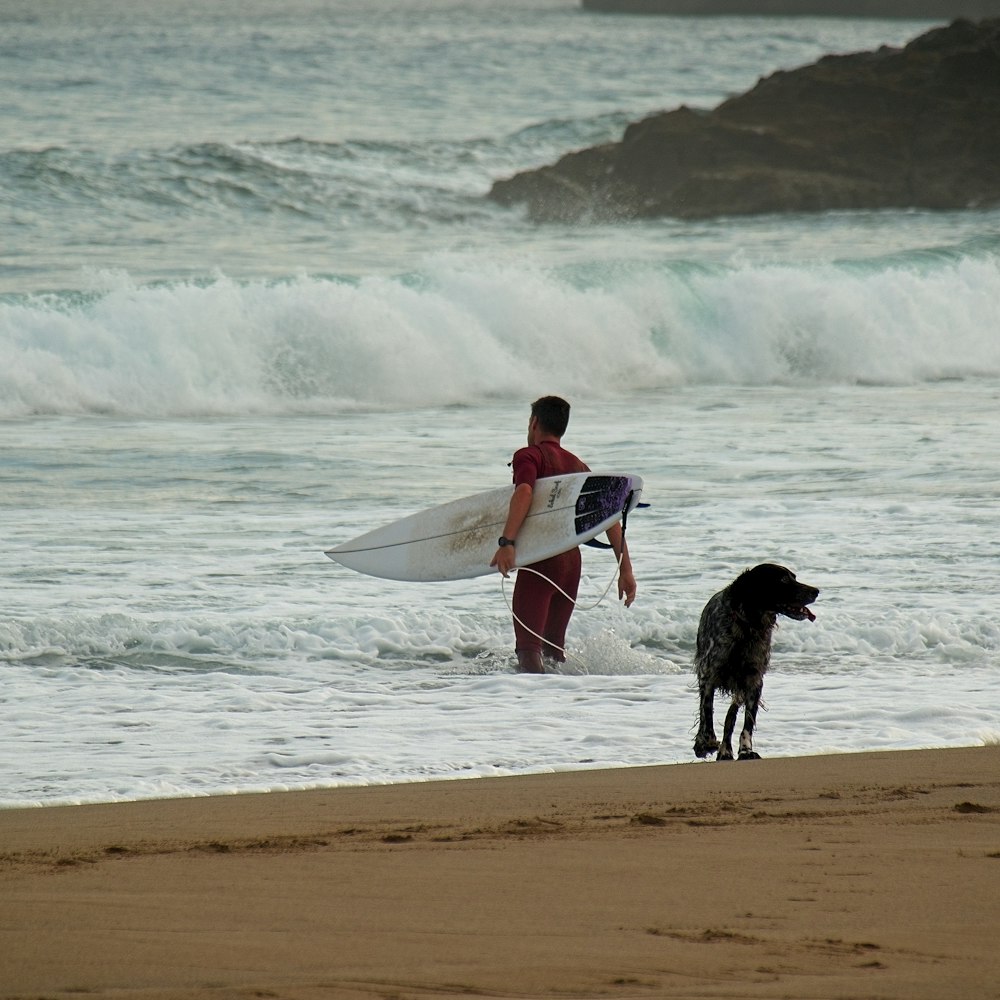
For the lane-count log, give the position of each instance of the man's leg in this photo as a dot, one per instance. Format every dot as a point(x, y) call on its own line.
point(564, 572)
point(532, 595)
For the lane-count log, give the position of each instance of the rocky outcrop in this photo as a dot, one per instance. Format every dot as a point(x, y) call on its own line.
point(934, 10)
point(895, 128)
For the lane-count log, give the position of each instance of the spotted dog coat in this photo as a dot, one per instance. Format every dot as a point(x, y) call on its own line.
point(734, 650)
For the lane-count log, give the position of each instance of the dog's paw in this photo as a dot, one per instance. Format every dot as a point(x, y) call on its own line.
point(749, 755)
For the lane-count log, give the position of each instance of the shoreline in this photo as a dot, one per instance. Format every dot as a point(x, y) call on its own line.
point(859, 874)
point(442, 780)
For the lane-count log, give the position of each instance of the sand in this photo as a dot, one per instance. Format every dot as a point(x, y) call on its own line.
point(854, 875)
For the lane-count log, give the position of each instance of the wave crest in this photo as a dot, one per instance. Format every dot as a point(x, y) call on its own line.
point(464, 329)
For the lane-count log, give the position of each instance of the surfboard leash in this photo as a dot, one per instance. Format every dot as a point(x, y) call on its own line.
point(573, 600)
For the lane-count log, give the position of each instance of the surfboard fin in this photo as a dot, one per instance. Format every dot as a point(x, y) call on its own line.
point(598, 544)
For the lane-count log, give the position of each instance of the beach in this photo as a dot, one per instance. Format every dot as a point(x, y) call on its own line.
point(848, 875)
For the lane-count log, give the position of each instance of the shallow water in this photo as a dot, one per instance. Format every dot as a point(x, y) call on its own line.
point(244, 317)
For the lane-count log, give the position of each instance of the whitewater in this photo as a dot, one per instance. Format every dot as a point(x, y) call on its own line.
point(243, 318)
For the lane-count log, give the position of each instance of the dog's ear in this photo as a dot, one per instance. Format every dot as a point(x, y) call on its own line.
point(742, 588)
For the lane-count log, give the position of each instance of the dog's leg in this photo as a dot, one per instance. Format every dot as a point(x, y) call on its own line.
point(705, 742)
point(726, 750)
point(749, 723)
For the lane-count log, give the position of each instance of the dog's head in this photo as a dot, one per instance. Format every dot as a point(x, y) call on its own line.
point(773, 588)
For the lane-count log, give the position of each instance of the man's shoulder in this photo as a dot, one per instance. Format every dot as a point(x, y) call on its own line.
point(572, 463)
point(553, 460)
point(531, 452)
point(531, 455)
point(583, 467)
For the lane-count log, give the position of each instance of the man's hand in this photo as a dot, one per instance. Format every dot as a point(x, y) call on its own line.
point(626, 587)
point(504, 559)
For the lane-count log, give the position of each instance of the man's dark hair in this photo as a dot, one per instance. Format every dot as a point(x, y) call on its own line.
point(552, 413)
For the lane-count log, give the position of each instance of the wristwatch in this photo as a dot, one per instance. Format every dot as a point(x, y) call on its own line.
point(503, 540)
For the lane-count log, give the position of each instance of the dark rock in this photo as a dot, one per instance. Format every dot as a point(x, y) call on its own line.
point(896, 128)
point(938, 10)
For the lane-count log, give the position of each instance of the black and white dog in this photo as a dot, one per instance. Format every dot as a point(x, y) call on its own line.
point(734, 650)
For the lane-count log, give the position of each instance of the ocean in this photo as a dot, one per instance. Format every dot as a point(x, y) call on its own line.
point(254, 301)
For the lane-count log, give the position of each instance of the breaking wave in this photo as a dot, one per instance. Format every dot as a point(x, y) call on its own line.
point(462, 329)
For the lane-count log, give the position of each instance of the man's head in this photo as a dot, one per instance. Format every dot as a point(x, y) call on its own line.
point(550, 414)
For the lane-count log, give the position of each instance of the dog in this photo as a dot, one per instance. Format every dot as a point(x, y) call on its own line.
point(734, 650)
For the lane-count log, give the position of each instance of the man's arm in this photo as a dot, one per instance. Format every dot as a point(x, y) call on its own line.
point(520, 504)
point(626, 578)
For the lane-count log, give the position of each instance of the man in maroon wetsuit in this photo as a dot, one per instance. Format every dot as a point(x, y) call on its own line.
point(541, 612)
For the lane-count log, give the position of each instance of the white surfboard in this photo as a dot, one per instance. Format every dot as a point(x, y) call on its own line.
point(457, 540)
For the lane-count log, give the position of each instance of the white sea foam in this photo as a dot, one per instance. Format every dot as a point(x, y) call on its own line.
point(458, 333)
point(172, 627)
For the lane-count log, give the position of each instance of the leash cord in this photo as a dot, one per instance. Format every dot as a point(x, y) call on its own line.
point(555, 586)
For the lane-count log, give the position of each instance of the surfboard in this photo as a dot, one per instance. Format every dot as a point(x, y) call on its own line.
point(457, 540)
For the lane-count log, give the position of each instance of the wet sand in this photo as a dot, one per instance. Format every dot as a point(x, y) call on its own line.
point(846, 876)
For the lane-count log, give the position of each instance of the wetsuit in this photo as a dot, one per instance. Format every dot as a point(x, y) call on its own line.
point(537, 604)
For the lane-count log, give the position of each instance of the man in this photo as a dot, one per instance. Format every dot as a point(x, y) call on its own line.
point(541, 612)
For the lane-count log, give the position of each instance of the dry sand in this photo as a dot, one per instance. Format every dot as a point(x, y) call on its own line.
point(856, 876)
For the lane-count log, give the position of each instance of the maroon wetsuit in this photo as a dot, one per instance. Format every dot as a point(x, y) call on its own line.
point(538, 607)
